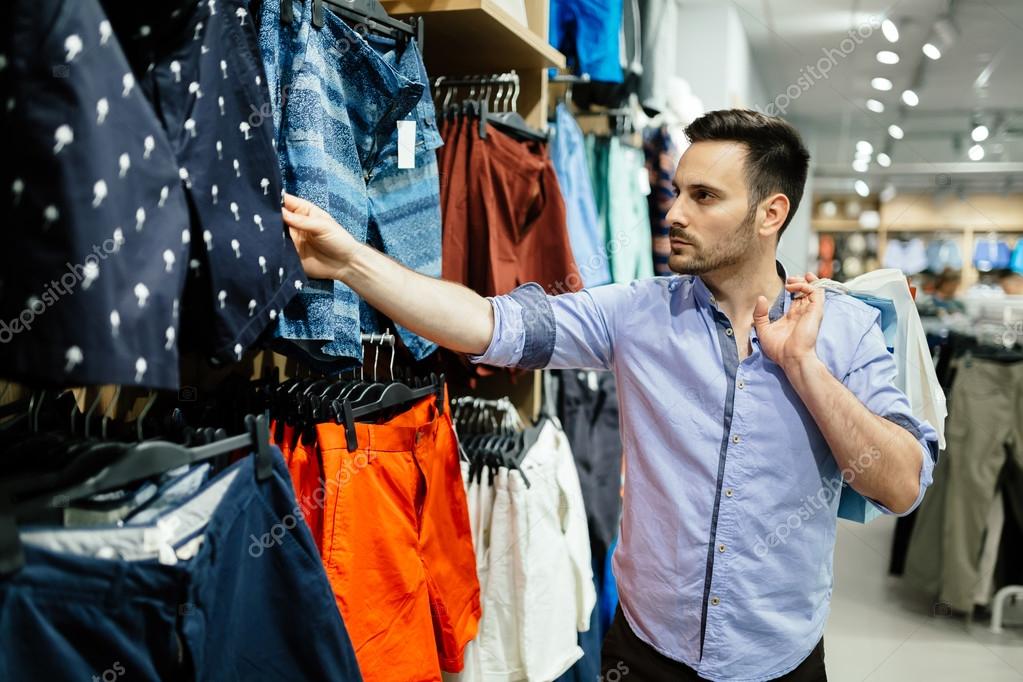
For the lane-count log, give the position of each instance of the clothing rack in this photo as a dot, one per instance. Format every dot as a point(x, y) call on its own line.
point(368, 13)
point(620, 120)
point(569, 80)
point(502, 101)
point(493, 98)
point(472, 414)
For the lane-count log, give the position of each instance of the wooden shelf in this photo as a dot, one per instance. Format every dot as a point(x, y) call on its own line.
point(837, 225)
point(475, 36)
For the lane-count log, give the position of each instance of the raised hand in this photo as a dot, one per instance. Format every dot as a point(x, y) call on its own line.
point(792, 338)
point(324, 247)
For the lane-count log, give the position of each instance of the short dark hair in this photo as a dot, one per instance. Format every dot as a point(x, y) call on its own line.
point(776, 160)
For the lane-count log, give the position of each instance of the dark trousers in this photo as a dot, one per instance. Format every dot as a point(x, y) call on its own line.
point(626, 657)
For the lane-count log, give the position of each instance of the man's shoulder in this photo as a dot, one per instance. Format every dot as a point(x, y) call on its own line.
point(641, 294)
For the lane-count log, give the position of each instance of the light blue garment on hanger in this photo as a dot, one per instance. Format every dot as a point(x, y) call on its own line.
point(852, 505)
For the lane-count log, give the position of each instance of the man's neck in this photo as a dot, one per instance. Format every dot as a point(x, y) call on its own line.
point(736, 288)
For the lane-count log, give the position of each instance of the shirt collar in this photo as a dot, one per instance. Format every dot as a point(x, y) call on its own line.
point(703, 295)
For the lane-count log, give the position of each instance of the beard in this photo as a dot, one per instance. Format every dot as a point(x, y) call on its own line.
point(698, 259)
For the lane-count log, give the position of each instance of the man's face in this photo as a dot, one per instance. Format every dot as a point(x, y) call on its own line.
point(711, 225)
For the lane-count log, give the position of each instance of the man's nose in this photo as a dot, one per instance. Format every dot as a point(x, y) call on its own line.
point(677, 214)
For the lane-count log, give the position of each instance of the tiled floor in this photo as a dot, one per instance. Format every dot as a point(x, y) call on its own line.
point(881, 632)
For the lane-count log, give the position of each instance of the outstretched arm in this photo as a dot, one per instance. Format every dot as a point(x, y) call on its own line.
point(449, 314)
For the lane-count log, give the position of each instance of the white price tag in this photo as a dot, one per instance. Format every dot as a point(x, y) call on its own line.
point(406, 144)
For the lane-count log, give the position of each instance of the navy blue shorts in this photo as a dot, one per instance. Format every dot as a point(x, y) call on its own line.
point(224, 584)
point(133, 164)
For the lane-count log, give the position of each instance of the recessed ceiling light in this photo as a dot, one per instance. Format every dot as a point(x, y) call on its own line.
point(976, 153)
point(864, 147)
point(860, 165)
point(882, 84)
point(931, 50)
point(887, 193)
point(862, 188)
point(910, 98)
point(875, 105)
point(888, 57)
point(895, 131)
point(980, 133)
point(890, 30)
point(884, 160)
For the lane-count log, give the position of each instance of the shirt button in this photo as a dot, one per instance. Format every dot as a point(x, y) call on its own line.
point(728, 492)
point(714, 601)
point(728, 332)
point(741, 384)
point(736, 439)
point(721, 548)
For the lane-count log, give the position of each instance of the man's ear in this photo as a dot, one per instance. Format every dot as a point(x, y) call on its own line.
point(776, 212)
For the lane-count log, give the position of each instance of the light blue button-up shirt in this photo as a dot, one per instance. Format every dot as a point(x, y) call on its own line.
point(731, 492)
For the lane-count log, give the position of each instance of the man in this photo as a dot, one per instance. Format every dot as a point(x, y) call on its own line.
point(744, 401)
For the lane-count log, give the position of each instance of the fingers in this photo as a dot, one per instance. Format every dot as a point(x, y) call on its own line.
point(810, 277)
point(304, 222)
point(760, 313)
point(296, 204)
point(799, 288)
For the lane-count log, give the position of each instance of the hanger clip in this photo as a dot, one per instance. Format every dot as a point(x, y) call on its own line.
point(260, 433)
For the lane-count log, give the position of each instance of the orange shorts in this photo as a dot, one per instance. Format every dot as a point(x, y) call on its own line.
point(397, 545)
point(306, 479)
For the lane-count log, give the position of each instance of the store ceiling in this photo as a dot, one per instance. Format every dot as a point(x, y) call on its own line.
point(979, 74)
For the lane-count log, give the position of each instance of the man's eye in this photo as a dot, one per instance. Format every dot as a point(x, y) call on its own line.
point(700, 195)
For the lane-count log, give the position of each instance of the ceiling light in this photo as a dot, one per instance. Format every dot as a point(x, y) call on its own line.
point(887, 193)
point(895, 131)
point(884, 160)
point(980, 133)
point(887, 57)
point(876, 106)
point(881, 84)
point(976, 153)
point(860, 165)
point(890, 30)
point(932, 51)
point(864, 147)
point(910, 98)
point(862, 188)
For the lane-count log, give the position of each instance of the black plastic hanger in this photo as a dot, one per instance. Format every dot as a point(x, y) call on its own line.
point(394, 394)
point(512, 123)
point(110, 466)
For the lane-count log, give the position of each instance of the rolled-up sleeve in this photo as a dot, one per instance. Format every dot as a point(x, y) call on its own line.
point(534, 330)
point(871, 378)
